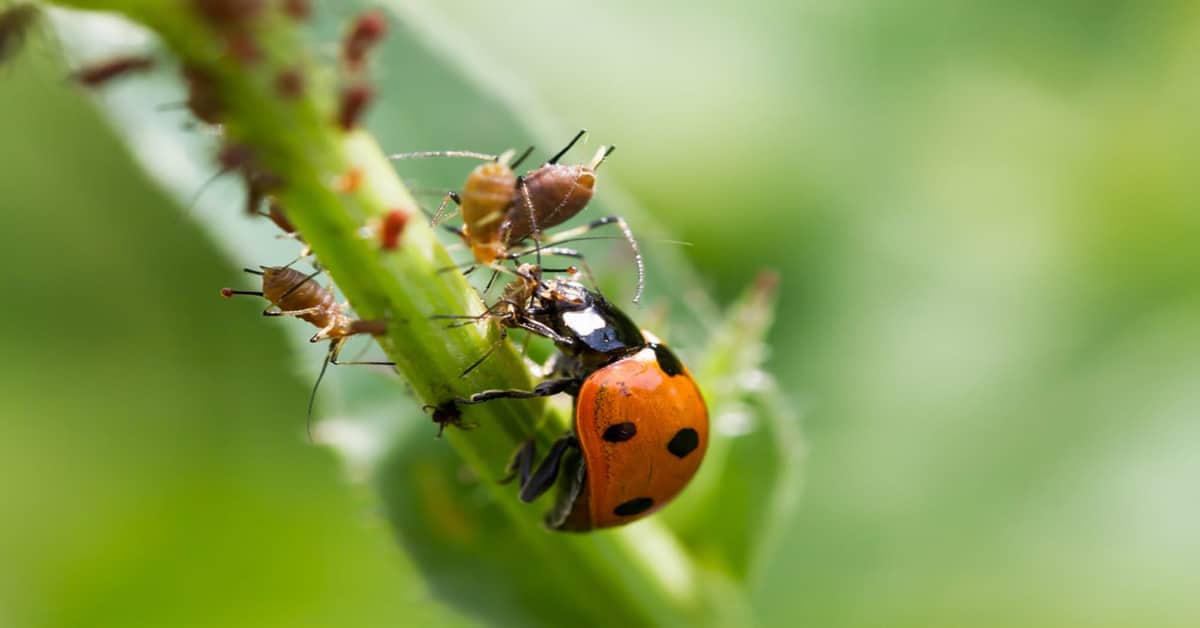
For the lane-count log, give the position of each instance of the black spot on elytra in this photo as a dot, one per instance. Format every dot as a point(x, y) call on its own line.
point(620, 432)
point(635, 506)
point(667, 360)
point(684, 442)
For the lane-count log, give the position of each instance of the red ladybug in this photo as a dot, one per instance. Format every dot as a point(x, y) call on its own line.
point(641, 424)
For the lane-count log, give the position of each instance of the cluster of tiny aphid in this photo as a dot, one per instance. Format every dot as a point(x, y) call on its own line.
point(641, 425)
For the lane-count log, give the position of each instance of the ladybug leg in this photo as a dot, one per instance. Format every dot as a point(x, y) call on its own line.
point(544, 389)
point(544, 478)
point(521, 464)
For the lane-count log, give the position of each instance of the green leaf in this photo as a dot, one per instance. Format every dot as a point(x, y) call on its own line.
point(732, 515)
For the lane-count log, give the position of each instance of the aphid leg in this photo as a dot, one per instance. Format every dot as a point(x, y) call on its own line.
point(558, 251)
point(491, 280)
point(521, 463)
point(546, 475)
point(335, 347)
point(533, 228)
point(437, 215)
point(323, 333)
point(486, 354)
point(296, 313)
point(577, 232)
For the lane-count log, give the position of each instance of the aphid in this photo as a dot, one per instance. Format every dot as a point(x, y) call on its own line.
point(297, 9)
point(293, 293)
point(553, 194)
point(391, 228)
point(16, 22)
point(228, 14)
point(241, 45)
point(289, 84)
point(502, 210)
point(203, 99)
point(350, 181)
point(367, 31)
point(353, 103)
point(641, 425)
point(100, 73)
point(276, 215)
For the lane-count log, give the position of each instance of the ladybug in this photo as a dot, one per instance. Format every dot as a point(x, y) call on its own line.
point(640, 426)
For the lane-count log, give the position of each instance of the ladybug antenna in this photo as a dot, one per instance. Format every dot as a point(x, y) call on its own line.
point(578, 136)
point(521, 157)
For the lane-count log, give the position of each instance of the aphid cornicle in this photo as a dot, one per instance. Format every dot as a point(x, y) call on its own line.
point(293, 293)
point(641, 425)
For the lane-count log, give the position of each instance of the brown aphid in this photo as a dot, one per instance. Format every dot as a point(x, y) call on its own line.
point(276, 215)
point(259, 184)
point(16, 22)
point(241, 45)
point(228, 14)
point(501, 210)
point(98, 74)
point(234, 157)
point(293, 293)
point(552, 194)
point(290, 84)
point(297, 9)
point(366, 31)
point(353, 103)
point(203, 99)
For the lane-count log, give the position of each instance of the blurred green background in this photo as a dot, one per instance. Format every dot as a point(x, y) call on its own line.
point(985, 219)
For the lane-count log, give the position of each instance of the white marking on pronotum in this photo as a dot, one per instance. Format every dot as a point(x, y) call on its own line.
point(584, 322)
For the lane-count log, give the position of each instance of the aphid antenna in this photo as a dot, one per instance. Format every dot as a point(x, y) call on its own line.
point(424, 154)
point(574, 140)
point(252, 271)
point(229, 292)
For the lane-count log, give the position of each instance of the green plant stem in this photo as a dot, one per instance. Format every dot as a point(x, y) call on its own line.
point(297, 139)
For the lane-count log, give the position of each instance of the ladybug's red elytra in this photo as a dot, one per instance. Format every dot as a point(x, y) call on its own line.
point(641, 424)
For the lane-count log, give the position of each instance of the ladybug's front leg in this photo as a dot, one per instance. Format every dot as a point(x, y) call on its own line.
point(544, 389)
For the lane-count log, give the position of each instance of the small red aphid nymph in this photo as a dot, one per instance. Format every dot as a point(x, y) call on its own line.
point(354, 102)
point(392, 228)
point(367, 30)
